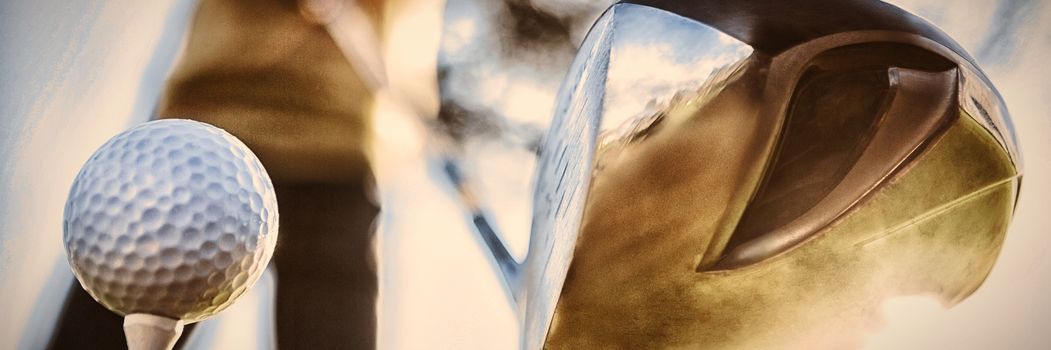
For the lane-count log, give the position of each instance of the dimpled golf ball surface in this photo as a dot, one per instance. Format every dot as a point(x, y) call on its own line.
point(173, 218)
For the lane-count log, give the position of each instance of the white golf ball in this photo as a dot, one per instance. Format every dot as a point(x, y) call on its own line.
point(172, 218)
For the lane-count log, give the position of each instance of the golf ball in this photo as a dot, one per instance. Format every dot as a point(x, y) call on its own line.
point(173, 218)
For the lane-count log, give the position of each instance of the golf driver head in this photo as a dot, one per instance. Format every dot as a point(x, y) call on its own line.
point(750, 174)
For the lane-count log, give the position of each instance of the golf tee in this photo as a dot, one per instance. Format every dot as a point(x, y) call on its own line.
point(151, 332)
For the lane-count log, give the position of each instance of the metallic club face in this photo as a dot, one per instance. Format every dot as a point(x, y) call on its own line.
point(729, 175)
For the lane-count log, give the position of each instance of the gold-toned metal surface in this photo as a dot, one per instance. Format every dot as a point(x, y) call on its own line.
point(782, 202)
point(847, 131)
point(632, 283)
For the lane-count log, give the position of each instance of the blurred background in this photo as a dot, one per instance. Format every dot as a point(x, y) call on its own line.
point(473, 83)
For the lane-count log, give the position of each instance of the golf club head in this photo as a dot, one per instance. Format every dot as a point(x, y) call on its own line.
point(750, 174)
